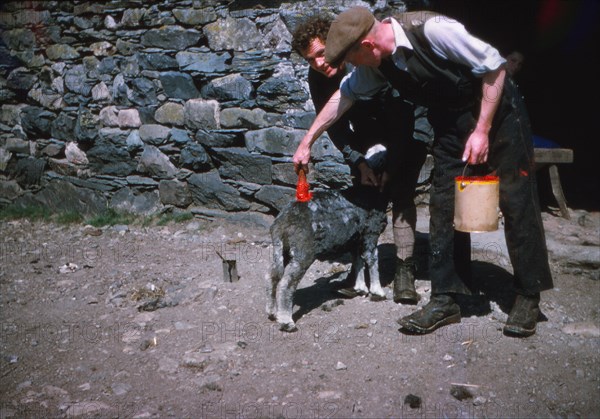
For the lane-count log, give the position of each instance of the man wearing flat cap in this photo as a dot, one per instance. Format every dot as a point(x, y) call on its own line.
point(386, 120)
point(478, 118)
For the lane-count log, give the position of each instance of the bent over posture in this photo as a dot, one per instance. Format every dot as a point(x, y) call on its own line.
point(478, 117)
point(384, 119)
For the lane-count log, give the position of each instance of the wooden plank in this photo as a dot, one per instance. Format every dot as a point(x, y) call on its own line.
point(553, 155)
point(558, 192)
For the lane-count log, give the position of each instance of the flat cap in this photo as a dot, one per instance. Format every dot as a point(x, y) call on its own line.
point(346, 29)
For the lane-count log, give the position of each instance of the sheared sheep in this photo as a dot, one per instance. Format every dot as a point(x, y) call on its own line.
point(326, 227)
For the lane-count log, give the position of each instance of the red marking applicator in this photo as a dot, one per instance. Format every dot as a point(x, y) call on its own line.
point(302, 188)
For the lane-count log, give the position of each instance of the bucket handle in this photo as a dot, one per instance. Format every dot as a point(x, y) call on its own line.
point(463, 185)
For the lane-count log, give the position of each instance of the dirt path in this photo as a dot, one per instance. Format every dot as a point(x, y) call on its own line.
point(142, 325)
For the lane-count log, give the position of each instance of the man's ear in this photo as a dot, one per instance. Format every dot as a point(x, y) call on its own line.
point(367, 43)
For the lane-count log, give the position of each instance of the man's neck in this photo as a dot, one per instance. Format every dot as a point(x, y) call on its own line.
point(388, 39)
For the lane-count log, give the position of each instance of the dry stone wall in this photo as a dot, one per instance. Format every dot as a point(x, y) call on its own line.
point(141, 105)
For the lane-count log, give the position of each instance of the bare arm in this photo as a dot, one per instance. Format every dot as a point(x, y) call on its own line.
point(337, 105)
point(477, 146)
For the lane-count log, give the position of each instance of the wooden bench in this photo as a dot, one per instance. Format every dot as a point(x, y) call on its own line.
point(551, 157)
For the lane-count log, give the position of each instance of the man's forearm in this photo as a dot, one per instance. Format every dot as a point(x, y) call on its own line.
point(493, 85)
point(337, 105)
point(477, 146)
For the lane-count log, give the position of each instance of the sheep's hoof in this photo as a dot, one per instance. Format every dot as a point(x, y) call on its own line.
point(351, 292)
point(288, 327)
point(377, 297)
point(272, 316)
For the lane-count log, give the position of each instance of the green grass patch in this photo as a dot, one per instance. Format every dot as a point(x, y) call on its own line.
point(68, 218)
point(32, 212)
point(174, 218)
point(111, 217)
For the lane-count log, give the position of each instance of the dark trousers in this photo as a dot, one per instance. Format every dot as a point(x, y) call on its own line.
point(511, 158)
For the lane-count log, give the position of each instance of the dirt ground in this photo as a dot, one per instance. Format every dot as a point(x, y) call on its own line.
point(137, 322)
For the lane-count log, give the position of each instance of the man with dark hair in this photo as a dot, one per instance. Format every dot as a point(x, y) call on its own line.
point(478, 118)
point(372, 122)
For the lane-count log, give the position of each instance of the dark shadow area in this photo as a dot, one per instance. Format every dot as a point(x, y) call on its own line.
point(309, 298)
point(559, 41)
point(387, 263)
point(254, 4)
point(490, 283)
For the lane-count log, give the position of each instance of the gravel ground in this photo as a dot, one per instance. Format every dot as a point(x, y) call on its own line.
point(138, 322)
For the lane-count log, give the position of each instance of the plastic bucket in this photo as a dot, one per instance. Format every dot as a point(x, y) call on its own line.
point(476, 201)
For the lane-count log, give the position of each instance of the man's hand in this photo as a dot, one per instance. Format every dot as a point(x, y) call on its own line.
point(476, 148)
point(301, 157)
point(385, 178)
point(367, 176)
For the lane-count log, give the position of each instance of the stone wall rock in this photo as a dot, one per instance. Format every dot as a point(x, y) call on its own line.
point(136, 105)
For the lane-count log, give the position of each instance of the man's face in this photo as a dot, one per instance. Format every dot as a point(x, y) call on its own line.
point(315, 55)
point(514, 63)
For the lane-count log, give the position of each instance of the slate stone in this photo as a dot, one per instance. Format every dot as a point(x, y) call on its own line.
point(174, 192)
point(170, 113)
point(281, 94)
point(220, 138)
point(107, 158)
point(19, 39)
point(28, 171)
point(230, 33)
point(21, 80)
point(194, 156)
point(209, 190)
point(155, 163)
point(335, 175)
point(61, 196)
point(143, 92)
point(239, 164)
point(37, 121)
point(180, 136)
point(156, 62)
point(63, 127)
point(154, 134)
point(171, 37)
point(232, 87)
point(195, 17)
point(178, 85)
point(201, 114)
point(274, 140)
point(276, 197)
point(204, 62)
point(57, 52)
point(243, 118)
point(126, 200)
point(76, 81)
point(86, 126)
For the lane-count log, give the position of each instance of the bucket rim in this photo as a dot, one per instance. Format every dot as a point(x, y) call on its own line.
point(478, 179)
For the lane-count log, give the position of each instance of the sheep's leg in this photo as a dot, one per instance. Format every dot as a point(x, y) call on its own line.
point(292, 275)
point(273, 278)
point(360, 286)
point(371, 259)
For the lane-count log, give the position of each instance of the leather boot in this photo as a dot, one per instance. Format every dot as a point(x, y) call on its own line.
point(440, 311)
point(523, 317)
point(404, 282)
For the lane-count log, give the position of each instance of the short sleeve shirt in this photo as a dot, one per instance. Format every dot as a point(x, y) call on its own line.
point(448, 39)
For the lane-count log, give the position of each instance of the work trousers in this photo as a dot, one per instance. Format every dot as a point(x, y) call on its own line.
point(510, 158)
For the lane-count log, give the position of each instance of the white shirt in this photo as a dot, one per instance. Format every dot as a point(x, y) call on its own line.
point(448, 39)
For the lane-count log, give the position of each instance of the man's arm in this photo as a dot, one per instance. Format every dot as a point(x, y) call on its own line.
point(335, 107)
point(343, 137)
point(477, 146)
